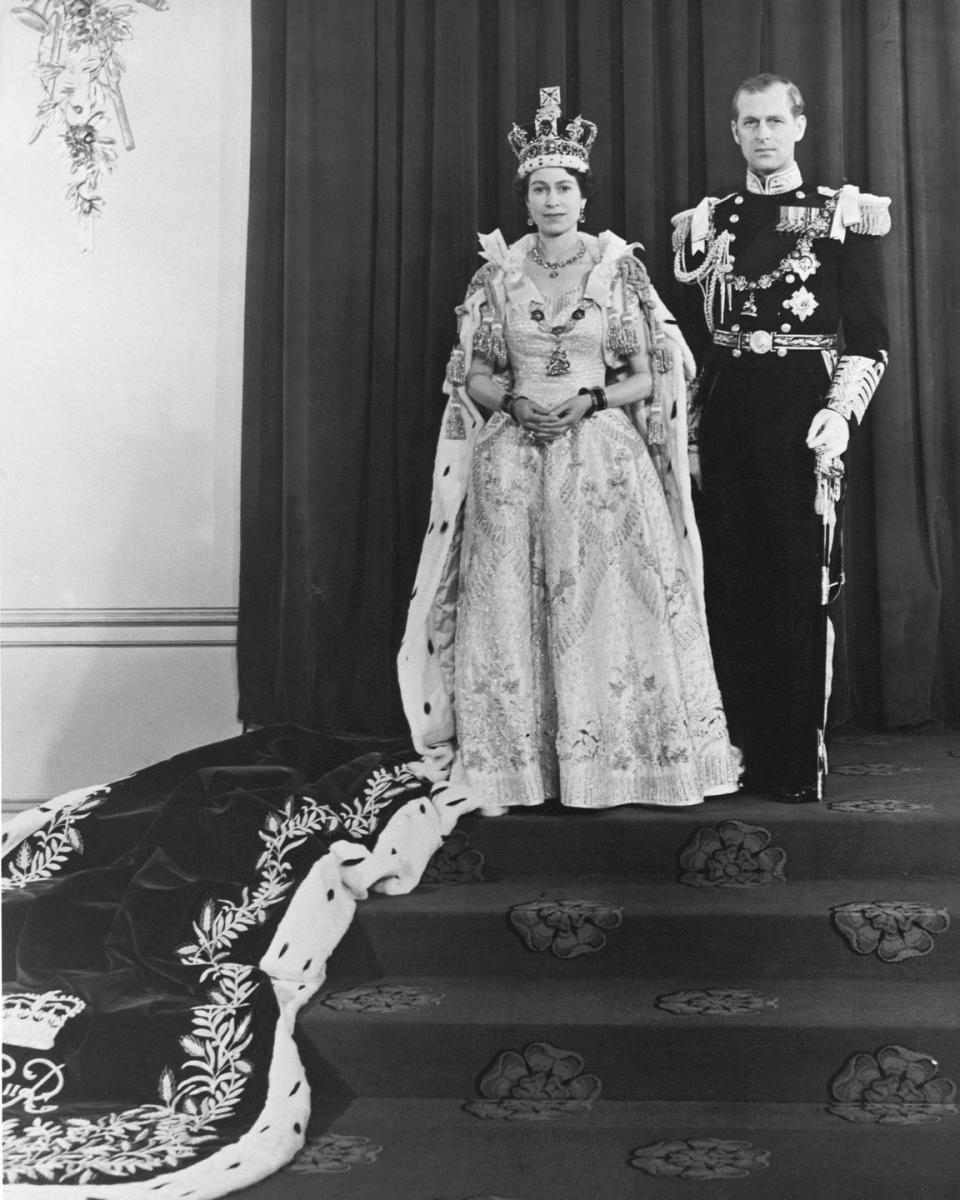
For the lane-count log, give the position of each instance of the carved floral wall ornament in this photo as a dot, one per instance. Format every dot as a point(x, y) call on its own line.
point(80, 68)
point(568, 928)
point(893, 930)
point(892, 1086)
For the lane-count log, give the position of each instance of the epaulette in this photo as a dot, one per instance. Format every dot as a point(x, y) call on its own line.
point(694, 222)
point(873, 212)
point(874, 216)
point(681, 227)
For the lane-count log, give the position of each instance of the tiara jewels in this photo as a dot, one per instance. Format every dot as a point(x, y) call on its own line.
point(552, 140)
point(34, 1020)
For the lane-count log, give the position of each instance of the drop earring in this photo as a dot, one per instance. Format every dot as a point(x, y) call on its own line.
point(530, 220)
point(582, 216)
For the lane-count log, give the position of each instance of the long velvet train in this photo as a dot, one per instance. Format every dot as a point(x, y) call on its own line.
point(161, 934)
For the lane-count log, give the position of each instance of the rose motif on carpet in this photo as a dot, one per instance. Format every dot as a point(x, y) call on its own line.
point(332, 1154)
point(893, 1086)
point(893, 930)
point(383, 998)
point(715, 1002)
point(876, 805)
point(568, 928)
point(538, 1083)
point(700, 1158)
point(732, 855)
point(874, 768)
point(456, 862)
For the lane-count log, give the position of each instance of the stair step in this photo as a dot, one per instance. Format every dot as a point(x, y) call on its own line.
point(789, 1052)
point(820, 842)
point(780, 929)
point(433, 1150)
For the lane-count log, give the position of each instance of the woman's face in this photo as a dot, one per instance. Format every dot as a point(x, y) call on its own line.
point(554, 200)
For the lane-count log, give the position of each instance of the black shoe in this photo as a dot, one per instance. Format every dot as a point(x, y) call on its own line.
point(800, 795)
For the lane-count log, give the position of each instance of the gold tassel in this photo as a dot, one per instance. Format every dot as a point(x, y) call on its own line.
point(629, 341)
point(457, 367)
point(482, 341)
point(498, 345)
point(613, 333)
point(663, 359)
point(454, 429)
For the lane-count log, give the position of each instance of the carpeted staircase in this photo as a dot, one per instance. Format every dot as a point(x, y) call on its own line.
point(744, 999)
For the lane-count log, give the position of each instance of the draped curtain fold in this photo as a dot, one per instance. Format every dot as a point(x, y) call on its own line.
point(378, 152)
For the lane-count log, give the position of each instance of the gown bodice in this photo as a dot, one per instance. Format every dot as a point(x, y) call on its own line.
point(531, 346)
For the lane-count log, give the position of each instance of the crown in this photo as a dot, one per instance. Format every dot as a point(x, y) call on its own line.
point(35, 1020)
point(552, 140)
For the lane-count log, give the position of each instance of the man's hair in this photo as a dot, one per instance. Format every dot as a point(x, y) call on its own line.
point(762, 83)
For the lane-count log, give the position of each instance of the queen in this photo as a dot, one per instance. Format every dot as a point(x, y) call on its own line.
point(556, 647)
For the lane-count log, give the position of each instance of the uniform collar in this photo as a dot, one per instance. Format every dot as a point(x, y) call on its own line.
point(772, 185)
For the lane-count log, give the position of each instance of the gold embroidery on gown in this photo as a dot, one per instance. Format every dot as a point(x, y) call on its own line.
point(582, 667)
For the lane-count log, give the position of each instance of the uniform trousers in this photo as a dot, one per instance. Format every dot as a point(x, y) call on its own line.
point(763, 550)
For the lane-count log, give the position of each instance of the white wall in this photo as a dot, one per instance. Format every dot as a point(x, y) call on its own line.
point(120, 394)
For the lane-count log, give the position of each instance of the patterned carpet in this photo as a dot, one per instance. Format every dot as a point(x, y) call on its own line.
point(756, 998)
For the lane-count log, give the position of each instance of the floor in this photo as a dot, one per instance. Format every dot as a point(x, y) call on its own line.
point(744, 1000)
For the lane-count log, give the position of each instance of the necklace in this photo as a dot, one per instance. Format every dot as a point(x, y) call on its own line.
point(558, 362)
point(554, 268)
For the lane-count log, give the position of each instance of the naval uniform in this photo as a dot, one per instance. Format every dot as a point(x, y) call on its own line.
point(793, 301)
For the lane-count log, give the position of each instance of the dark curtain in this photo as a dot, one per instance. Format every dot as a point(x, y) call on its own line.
point(379, 150)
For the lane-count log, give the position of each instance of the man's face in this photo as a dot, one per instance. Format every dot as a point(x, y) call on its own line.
point(766, 129)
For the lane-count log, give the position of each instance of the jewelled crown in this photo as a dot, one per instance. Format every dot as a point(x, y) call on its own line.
point(552, 140)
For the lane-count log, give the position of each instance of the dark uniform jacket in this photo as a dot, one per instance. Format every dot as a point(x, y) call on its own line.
point(793, 267)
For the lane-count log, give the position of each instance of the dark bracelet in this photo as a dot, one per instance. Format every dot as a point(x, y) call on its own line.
point(598, 400)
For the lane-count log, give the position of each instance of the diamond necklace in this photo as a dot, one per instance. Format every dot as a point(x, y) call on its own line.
point(553, 268)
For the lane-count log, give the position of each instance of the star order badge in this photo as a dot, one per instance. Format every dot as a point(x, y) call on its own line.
point(802, 303)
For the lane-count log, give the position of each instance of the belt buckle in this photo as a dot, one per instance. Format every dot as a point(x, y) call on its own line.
point(760, 341)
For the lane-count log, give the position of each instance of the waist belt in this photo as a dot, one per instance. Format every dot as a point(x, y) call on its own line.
point(761, 341)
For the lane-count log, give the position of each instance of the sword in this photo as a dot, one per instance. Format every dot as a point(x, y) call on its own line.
point(829, 472)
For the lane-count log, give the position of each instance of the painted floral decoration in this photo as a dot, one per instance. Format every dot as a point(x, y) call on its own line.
point(873, 768)
point(732, 855)
point(871, 805)
point(455, 862)
point(332, 1154)
point(535, 1084)
point(715, 1002)
point(700, 1158)
point(893, 930)
point(568, 928)
point(894, 1086)
point(383, 998)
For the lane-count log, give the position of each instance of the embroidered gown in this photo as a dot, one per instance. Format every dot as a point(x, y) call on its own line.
point(580, 662)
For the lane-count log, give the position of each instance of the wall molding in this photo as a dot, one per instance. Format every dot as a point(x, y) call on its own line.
point(37, 628)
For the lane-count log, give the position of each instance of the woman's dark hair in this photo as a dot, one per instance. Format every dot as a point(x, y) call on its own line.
point(586, 181)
